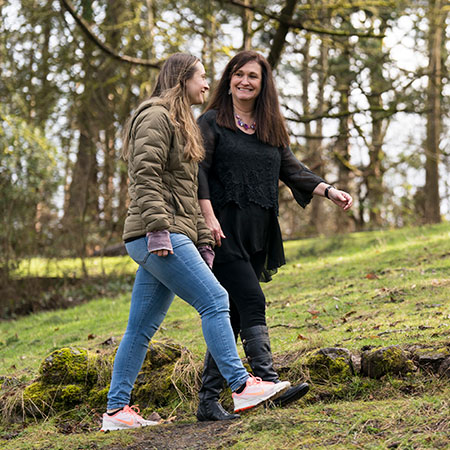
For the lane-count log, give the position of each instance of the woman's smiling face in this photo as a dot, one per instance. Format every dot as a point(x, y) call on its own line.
point(197, 85)
point(245, 83)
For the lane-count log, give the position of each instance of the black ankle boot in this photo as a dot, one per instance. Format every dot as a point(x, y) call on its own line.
point(209, 407)
point(293, 394)
point(256, 344)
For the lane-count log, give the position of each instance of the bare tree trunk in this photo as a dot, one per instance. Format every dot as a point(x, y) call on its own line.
point(107, 103)
point(42, 105)
point(310, 147)
point(83, 174)
point(342, 148)
point(247, 19)
point(434, 123)
point(209, 39)
point(280, 36)
point(82, 205)
point(375, 171)
point(316, 161)
point(375, 187)
point(109, 167)
point(151, 54)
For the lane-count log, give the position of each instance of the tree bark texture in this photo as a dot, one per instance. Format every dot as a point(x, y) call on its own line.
point(247, 19)
point(434, 121)
point(375, 170)
point(279, 39)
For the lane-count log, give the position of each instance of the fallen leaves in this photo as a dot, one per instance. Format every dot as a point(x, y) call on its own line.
point(372, 276)
point(314, 313)
point(394, 295)
point(347, 315)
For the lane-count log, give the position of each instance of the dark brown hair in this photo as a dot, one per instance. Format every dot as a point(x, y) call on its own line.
point(270, 124)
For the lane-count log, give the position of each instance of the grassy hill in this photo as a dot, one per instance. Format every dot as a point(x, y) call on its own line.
point(357, 291)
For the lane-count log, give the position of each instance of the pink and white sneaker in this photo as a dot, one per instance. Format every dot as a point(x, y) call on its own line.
point(256, 392)
point(125, 419)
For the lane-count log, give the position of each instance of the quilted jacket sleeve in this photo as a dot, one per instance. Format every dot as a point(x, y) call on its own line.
point(204, 233)
point(152, 140)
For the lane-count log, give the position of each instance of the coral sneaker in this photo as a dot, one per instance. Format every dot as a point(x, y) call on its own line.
point(256, 392)
point(126, 418)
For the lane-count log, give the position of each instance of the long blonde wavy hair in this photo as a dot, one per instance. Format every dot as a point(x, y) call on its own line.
point(171, 91)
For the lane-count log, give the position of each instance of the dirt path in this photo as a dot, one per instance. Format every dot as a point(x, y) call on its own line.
point(192, 436)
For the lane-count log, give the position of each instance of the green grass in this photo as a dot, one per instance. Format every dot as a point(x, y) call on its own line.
point(350, 425)
point(74, 266)
point(378, 288)
point(25, 342)
point(374, 288)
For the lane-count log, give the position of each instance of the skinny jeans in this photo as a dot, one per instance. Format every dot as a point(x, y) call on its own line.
point(158, 280)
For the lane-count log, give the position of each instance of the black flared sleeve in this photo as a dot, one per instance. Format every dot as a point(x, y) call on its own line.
point(207, 125)
point(300, 180)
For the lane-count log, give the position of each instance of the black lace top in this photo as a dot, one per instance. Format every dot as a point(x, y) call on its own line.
point(239, 167)
point(240, 176)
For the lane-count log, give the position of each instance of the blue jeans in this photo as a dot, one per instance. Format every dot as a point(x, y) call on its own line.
point(157, 281)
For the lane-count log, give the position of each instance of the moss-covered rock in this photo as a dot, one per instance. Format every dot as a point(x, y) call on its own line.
point(69, 365)
point(160, 354)
point(97, 396)
point(42, 398)
point(388, 360)
point(38, 399)
point(429, 357)
point(72, 377)
point(72, 395)
point(444, 369)
point(154, 387)
point(332, 363)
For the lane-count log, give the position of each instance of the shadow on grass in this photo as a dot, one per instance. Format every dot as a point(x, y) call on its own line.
point(23, 296)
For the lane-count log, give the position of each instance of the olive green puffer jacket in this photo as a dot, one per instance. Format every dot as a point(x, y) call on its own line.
point(162, 182)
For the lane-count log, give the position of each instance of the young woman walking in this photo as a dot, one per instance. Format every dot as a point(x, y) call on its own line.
point(166, 235)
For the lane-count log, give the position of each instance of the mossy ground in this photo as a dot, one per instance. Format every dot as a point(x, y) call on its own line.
point(372, 289)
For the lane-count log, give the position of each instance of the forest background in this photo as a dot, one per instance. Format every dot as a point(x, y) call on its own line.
point(363, 86)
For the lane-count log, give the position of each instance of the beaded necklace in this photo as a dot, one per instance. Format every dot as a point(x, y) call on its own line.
point(242, 124)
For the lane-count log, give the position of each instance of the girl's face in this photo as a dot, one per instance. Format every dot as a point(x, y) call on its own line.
point(197, 85)
point(245, 83)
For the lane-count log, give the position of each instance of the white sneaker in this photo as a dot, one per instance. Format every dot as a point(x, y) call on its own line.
point(258, 391)
point(126, 418)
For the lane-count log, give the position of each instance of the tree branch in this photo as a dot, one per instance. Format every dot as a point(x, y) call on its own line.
point(104, 47)
point(320, 137)
point(387, 113)
point(299, 25)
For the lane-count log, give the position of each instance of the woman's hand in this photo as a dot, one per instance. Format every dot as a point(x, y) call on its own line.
point(211, 221)
point(341, 198)
point(158, 243)
point(162, 253)
point(213, 224)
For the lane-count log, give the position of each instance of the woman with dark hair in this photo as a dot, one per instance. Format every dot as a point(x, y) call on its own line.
point(166, 235)
point(247, 152)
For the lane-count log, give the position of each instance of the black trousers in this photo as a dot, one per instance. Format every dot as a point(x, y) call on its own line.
point(247, 301)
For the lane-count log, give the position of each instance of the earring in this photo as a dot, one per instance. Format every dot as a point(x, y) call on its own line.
point(229, 91)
